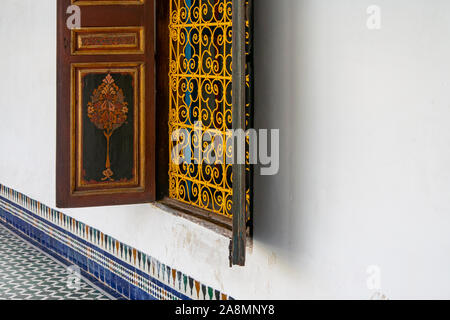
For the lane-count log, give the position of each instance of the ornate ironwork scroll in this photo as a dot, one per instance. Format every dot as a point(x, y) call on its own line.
point(201, 103)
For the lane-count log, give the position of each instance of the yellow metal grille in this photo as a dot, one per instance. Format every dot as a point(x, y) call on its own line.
point(201, 103)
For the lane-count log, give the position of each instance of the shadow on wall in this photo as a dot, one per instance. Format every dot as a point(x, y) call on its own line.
point(279, 216)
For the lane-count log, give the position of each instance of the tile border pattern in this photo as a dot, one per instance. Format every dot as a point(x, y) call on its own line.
point(114, 265)
point(29, 273)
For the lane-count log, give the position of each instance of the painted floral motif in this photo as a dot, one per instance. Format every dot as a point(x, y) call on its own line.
point(108, 112)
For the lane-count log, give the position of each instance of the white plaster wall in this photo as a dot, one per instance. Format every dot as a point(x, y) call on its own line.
point(365, 156)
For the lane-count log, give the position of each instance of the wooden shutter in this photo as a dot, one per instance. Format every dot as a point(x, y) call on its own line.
point(242, 119)
point(105, 101)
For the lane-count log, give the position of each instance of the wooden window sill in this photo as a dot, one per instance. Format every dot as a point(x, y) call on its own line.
point(207, 219)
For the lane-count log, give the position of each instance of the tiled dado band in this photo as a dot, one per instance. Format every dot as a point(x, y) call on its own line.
point(118, 267)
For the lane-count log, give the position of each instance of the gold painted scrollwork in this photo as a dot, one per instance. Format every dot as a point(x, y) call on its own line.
point(200, 92)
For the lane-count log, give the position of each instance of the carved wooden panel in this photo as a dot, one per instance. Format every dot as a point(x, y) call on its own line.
point(93, 41)
point(106, 2)
point(108, 109)
point(106, 105)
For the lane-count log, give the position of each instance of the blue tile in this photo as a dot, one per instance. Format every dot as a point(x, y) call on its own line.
point(113, 284)
point(133, 293)
point(107, 276)
point(101, 273)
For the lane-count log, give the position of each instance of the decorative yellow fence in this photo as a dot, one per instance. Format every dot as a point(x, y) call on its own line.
point(201, 103)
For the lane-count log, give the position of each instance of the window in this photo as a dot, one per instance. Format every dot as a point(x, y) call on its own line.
point(130, 81)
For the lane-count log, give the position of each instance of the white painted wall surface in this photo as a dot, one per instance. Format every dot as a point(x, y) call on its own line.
point(365, 150)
